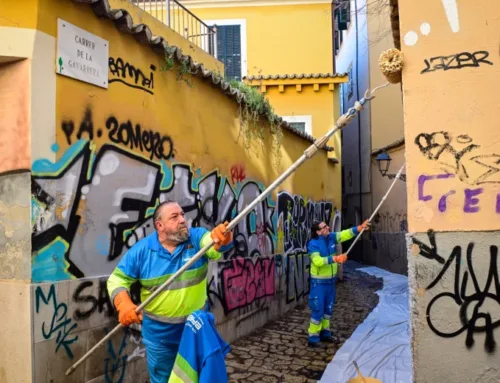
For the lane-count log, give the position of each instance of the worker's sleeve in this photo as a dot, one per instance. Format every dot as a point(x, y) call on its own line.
point(201, 236)
point(316, 257)
point(346, 235)
point(124, 275)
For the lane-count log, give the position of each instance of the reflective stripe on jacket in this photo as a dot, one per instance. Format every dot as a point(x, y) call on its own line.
point(322, 249)
point(151, 264)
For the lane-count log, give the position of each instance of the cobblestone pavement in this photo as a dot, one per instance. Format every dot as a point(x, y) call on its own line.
point(278, 352)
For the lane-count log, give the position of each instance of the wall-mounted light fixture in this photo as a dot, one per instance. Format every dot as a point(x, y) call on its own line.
point(383, 163)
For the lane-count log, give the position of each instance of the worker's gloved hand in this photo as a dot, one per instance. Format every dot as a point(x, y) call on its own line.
point(220, 236)
point(340, 258)
point(126, 309)
point(365, 225)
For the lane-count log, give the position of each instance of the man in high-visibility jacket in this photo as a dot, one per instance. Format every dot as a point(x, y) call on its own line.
point(323, 275)
point(152, 261)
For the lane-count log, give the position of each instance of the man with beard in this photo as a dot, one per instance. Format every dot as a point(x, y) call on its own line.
point(152, 261)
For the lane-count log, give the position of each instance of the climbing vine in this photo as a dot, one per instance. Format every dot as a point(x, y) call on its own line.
point(183, 68)
point(255, 107)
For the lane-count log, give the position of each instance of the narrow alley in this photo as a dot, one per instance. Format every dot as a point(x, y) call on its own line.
point(177, 177)
point(279, 353)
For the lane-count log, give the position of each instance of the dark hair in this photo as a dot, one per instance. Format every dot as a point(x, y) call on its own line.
point(157, 213)
point(314, 228)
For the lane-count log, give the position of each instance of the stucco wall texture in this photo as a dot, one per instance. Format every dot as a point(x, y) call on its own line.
point(451, 108)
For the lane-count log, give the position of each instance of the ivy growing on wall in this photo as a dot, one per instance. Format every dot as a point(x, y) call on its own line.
point(254, 109)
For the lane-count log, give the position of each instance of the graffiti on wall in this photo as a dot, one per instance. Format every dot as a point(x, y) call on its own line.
point(60, 325)
point(296, 215)
point(87, 209)
point(116, 359)
point(477, 305)
point(390, 222)
point(87, 303)
point(58, 318)
point(127, 74)
point(456, 61)
point(127, 134)
point(242, 281)
point(469, 197)
point(460, 156)
point(297, 276)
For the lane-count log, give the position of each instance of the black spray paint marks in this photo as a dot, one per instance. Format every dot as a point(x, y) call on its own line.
point(458, 155)
point(297, 216)
point(126, 133)
point(456, 61)
point(135, 137)
point(89, 304)
point(473, 309)
point(60, 322)
point(131, 76)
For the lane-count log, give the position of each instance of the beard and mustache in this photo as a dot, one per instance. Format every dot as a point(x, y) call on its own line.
point(178, 236)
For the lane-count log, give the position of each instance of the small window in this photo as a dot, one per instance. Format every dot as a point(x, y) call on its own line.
point(350, 85)
point(299, 126)
point(229, 50)
point(301, 123)
point(231, 46)
point(344, 15)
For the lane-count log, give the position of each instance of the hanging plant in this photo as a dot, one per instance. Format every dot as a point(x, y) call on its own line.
point(252, 109)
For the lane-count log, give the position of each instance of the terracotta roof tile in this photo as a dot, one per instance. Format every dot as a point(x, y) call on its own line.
point(295, 76)
point(143, 34)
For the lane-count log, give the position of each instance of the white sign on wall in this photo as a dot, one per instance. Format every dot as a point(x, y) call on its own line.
point(81, 55)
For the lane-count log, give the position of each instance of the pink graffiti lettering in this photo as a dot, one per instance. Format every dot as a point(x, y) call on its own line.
point(244, 282)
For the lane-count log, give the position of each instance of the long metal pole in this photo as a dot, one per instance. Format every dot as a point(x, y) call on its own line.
point(308, 153)
point(398, 175)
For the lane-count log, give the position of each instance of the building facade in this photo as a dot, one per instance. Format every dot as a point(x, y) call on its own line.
point(362, 32)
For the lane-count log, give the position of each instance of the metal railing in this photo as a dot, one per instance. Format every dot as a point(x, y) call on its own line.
point(184, 22)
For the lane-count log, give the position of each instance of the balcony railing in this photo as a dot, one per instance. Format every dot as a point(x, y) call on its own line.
point(180, 19)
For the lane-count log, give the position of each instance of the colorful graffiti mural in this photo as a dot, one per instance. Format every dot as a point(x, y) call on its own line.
point(89, 207)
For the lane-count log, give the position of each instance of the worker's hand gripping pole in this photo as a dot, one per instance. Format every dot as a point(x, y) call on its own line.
point(308, 153)
point(398, 175)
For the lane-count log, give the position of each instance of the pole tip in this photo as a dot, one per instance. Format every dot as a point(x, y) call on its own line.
point(390, 63)
point(69, 371)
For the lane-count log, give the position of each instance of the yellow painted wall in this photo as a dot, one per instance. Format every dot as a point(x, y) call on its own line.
point(282, 39)
point(449, 111)
point(34, 15)
point(319, 104)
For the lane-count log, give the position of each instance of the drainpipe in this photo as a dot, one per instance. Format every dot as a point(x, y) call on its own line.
point(359, 121)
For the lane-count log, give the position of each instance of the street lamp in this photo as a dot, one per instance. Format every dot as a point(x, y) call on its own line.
point(383, 162)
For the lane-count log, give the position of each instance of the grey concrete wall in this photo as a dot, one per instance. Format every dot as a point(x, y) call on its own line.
point(69, 318)
point(455, 306)
point(15, 269)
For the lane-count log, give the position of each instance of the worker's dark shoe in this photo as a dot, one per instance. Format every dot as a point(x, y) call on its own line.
point(326, 336)
point(314, 345)
point(328, 339)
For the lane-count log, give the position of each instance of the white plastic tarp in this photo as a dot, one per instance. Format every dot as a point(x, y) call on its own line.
point(381, 344)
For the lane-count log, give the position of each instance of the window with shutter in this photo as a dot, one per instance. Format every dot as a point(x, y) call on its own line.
point(300, 126)
point(229, 50)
